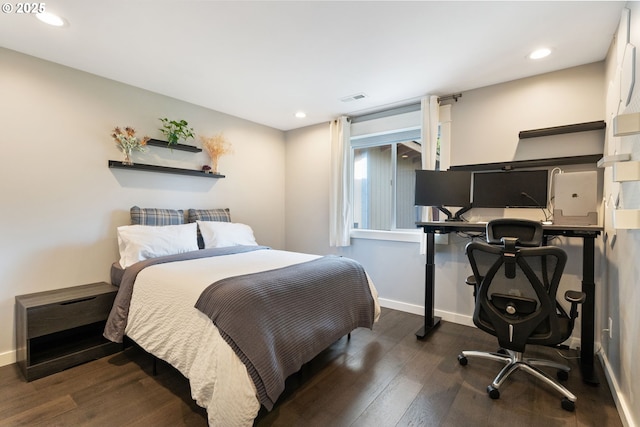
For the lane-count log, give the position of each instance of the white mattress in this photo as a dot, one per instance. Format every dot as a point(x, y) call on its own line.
point(163, 320)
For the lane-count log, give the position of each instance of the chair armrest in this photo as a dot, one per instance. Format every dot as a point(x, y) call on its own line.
point(575, 297)
point(471, 281)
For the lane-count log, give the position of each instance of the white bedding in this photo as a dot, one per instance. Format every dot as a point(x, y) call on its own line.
point(163, 320)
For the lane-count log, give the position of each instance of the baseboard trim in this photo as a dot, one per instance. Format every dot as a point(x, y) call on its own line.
point(455, 317)
point(7, 358)
point(618, 397)
point(419, 309)
point(401, 306)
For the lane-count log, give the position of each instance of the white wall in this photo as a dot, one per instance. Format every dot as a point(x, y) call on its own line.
point(61, 203)
point(620, 290)
point(307, 178)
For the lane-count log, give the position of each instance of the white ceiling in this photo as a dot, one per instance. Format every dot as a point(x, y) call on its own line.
point(263, 60)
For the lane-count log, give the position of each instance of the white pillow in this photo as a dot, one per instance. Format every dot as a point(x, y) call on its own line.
point(217, 234)
point(140, 242)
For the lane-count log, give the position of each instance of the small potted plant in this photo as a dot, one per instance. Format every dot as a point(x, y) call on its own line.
point(175, 130)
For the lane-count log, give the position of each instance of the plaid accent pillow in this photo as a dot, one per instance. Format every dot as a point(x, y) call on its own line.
point(221, 215)
point(154, 216)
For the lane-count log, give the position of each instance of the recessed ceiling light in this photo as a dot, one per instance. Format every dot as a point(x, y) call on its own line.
point(301, 114)
point(51, 19)
point(540, 53)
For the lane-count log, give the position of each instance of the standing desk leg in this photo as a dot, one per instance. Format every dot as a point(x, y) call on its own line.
point(587, 331)
point(430, 321)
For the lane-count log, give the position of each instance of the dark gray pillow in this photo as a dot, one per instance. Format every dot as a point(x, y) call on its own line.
point(155, 216)
point(221, 215)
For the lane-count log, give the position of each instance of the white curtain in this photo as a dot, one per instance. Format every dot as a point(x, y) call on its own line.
point(429, 124)
point(430, 118)
point(340, 193)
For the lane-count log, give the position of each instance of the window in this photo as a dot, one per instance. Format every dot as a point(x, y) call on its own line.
point(384, 180)
point(386, 151)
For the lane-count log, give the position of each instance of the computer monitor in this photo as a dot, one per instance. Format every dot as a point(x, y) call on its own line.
point(510, 189)
point(444, 188)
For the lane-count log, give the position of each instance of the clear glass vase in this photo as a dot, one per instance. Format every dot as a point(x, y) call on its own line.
point(214, 165)
point(127, 156)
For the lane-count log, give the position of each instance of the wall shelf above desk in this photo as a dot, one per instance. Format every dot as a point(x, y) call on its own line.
point(519, 164)
point(115, 164)
point(559, 130)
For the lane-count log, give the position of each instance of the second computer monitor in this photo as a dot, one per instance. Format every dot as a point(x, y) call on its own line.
point(511, 189)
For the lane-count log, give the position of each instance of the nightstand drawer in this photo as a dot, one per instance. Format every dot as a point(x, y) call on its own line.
point(65, 315)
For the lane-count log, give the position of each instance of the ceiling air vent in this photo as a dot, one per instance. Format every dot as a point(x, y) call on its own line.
point(356, 97)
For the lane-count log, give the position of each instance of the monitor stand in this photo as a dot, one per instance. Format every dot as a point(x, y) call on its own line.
point(453, 217)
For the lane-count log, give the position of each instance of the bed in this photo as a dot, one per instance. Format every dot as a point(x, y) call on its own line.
point(188, 308)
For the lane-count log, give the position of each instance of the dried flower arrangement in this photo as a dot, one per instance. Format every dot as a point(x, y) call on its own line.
point(127, 141)
point(215, 146)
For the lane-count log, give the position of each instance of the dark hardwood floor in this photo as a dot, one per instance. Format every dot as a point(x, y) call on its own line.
point(384, 377)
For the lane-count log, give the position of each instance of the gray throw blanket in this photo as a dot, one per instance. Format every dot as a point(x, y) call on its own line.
point(117, 321)
point(279, 319)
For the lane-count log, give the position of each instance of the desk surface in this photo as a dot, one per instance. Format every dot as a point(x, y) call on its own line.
point(550, 229)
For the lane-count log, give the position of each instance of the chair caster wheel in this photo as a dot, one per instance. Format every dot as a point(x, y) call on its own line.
point(494, 393)
point(562, 375)
point(568, 405)
point(462, 360)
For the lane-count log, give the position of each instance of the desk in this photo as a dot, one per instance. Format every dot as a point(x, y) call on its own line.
point(587, 233)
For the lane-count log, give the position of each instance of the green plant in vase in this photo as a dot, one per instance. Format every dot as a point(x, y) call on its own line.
point(174, 131)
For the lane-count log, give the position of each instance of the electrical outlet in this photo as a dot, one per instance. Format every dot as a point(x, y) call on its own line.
point(610, 327)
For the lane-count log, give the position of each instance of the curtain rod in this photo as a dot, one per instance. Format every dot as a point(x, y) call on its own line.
point(414, 106)
point(453, 96)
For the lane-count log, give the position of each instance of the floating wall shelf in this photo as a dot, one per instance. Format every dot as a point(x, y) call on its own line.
point(518, 164)
point(179, 147)
point(626, 124)
point(626, 171)
point(626, 219)
point(559, 130)
point(115, 164)
point(607, 161)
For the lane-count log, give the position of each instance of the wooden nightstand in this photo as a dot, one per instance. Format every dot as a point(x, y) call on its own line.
point(58, 329)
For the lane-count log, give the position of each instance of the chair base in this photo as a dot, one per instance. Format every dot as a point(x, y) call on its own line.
point(515, 361)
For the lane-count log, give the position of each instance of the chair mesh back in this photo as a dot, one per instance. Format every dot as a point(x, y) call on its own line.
point(542, 267)
point(513, 308)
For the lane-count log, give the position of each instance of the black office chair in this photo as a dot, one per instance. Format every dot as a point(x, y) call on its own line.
point(516, 300)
